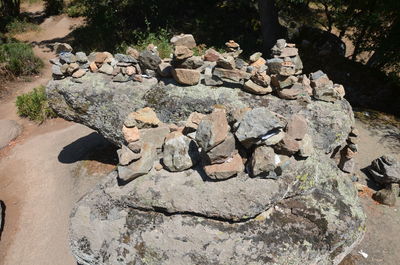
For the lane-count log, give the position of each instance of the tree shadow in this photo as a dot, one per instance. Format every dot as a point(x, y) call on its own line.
point(366, 87)
point(90, 147)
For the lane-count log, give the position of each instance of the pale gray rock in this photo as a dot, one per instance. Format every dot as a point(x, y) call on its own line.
point(106, 69)
point(310, 215)
point(193, 62)
point(139, 167)
point(126, 155)
point(212, 130)
point(125, 58)
point(56, 70)
point(67, 57)
point(263, 161)
point(9, 130)
point(81, 57)
point(306, 146)
point(180, 153)
point(256, 123)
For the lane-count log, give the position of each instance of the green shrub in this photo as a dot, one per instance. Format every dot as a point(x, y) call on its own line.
point(19, 59)
point(75, 9)
point(159, 39)
point(34, 105)
point(18, 26)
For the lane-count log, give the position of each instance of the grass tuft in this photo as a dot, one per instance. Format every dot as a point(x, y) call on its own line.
point(18, 59)
point(18, 26)
point(34, 105)
point(159, 39)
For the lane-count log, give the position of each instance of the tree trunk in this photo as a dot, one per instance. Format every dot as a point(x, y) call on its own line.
point(269, 23)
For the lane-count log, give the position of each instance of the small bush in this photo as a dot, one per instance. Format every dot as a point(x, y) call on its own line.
point(75, 9)
point(19, 59)
point(19, 26)
point(159, 39)
point(34, 105)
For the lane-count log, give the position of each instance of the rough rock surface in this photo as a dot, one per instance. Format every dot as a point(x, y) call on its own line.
point(385, 170)
point(180, 152)
point(310, 215)
point(101, 104)
point(9, 130)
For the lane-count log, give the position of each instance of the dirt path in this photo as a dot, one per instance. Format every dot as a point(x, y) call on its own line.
point(37, 169)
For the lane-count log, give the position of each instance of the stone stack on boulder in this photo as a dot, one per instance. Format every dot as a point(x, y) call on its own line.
point(348, 152)
point(144, 136)
point(385, 170)
point(120, 67)
point(214, 169)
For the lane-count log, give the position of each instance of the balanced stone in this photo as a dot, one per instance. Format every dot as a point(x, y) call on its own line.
point(180, 152)
point(212, 130)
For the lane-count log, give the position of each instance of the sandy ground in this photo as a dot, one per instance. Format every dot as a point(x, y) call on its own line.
point(39, 170)
point(41, 175)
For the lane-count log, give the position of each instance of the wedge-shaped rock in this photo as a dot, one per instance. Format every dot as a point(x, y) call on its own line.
point(186, 76)
point(212, 130)
point(229, 168)
point(257, 123)
point(140, 167)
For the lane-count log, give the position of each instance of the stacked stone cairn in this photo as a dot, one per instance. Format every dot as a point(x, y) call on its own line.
point(256, 141)
point(220, 144)
point(385, 171)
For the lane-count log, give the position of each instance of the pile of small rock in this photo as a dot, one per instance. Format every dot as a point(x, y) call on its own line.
point(281, 74)
point(254, 141)
point(385, 170)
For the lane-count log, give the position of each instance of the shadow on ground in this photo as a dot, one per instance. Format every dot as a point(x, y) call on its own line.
point(93, 147)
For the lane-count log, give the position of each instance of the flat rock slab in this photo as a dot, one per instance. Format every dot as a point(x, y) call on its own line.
point(101, 104)
point(310, 215)
point(9, 130)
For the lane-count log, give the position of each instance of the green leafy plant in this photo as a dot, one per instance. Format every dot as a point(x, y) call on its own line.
point(159, 39)
point(34, 105)
point(19, 59)
point(20, 25)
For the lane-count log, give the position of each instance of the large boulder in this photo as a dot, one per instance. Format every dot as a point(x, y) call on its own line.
point(103, 105)
point(9, 130)
point(310, 215)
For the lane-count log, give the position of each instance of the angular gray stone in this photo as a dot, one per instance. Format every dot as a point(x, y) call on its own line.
point(193, 62)
point(139, 167)
point(180, 152)
point(223, 151)
point(212, 130)
point(67, 57)
point(311, 209)
point(385, 170)
point(326, 94)
point(125, 58)
point(121, 78)
point(81, 57)
point(210, 79)
point(148, 60)
point(126, 156)
point(347, 165)
point(56, 70)
point(106, 69)
point(263, 161)
point(256, 123)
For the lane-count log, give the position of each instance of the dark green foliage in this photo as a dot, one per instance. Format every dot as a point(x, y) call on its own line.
point(53, 7)
point(34, 105)
point(19, 59)
point(211, 22)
